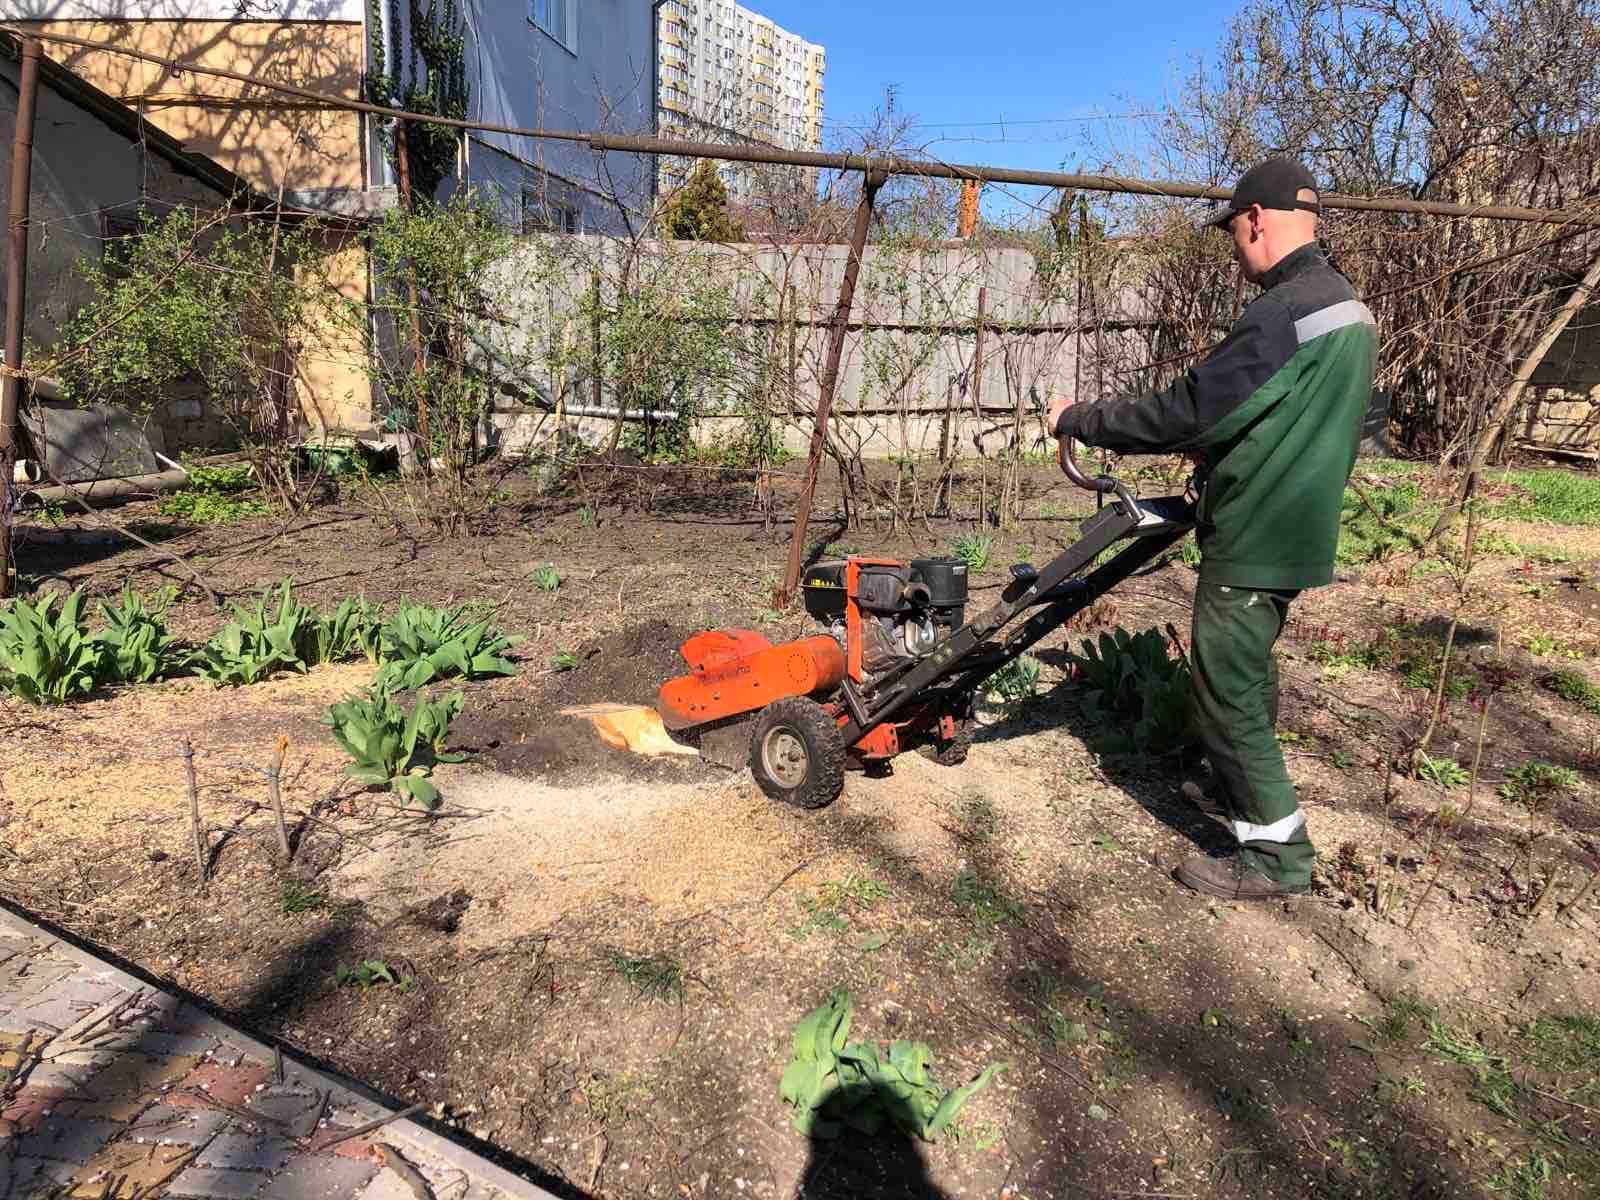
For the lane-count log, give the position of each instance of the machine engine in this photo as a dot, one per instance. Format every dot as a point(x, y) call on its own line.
point(904, 609)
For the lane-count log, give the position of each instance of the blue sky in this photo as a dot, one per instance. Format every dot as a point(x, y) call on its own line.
point(961, 68)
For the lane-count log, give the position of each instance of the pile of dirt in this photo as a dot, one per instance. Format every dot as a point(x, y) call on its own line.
point(529, 736)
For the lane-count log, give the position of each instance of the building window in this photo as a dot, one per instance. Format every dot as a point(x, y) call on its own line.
point(541, 214)
point(558, 18)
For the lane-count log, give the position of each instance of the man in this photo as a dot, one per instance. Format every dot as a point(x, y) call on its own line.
point(1275, 413)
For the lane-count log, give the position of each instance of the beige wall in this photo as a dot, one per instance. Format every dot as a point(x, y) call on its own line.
point(273, 140)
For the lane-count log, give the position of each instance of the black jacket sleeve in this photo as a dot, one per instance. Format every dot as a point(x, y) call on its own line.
point(1177, 416)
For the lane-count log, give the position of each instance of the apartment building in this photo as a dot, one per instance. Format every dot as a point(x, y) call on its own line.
point(728, 73)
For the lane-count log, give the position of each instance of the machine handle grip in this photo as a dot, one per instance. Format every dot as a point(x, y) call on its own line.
point(1069, 467)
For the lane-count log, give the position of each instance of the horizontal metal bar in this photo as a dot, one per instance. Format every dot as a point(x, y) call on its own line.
point(885, 165)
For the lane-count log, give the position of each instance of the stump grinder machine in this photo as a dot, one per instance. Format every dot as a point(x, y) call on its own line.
point(900, 665)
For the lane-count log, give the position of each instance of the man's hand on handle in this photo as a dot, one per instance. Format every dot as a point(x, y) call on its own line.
point(1052, 415)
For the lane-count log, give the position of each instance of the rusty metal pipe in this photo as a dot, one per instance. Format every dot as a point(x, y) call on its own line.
point(871, 182)
point(1179, 189)
point(16, 295)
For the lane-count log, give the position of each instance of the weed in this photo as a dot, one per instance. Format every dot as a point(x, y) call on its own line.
point(1189, 551)
point(372, 973)
point(1340, 760)
point(394, 748)
point(586, 517)
point(1216, 1018)
point(860, 891)
point(826, 913)
point(1536, 784)
point(818, 919)
point(1394, 1090)
point(295, 897)
point(1017, 680)
point(1523, 1178)
point(1355, 1156)
point(1061, 1030)
point(656, 976)
point(1559, 497)
point(420, 644)
point(984, 899)
point(974, 549)
point(1394, 1026)
point(1445, 773)
point(46, 654)
point(1369, 535)
point(1570, 685)
point(563, 660)
point(1547, 645)
point(1565, 1043)
point(614, 1099)
point(972, 951)
point(214, 496)
point(978, 819)
point(1549, 556)
point(546, 578)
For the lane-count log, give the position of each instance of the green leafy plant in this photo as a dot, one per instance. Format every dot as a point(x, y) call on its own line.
point(214, 496)
point(1570, 685)
point(1134, 682)
point(350, 631)
point(394, 748)
point(833, 1085)
point(277, 634)
point(546, 578)
point(47, 656)
point(138, 648)
point(1446, 773)
point(1016, 681)
point(420, 643)
point(974, 549)
point(374, 972)
point(563, 660)
point(1536, 784)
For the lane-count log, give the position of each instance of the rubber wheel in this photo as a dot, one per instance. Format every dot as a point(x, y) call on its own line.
point(950, 753)
point(796, 753)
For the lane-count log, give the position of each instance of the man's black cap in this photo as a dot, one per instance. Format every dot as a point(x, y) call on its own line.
point(1271, 184)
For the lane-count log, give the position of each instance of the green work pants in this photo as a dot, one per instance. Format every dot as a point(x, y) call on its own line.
point(1233, 706)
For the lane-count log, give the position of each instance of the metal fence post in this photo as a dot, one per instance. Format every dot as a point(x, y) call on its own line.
point(16, 298)
point(872, 180)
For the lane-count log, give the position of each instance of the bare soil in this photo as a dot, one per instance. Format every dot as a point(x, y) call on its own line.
point(1018, 908)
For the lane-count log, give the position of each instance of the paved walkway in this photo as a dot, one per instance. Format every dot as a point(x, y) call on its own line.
point(111, 1089)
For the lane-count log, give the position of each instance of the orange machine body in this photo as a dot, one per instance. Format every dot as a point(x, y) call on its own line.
point(738, 671)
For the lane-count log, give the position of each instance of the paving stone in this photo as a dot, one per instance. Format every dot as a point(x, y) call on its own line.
point(69, 1071)
point(131, 1073)
point(68, 1139)
point(386, 1185)
point(324, 1177)
point(327, 1140)
point(68, 1002)
point(10, 949)
point(246, 1152)
point(25, 977)
point(222, 1185)
point(153, 1042)
point(27, 1174)
point(163, 1125)
point(223, 1084)
point(124, 1169)
point(32, 1105)
point(293, 1111)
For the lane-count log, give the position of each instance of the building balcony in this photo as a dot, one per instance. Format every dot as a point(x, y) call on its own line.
point(675, 105)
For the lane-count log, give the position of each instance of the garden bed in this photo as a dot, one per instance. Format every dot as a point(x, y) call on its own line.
point(600, 958)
